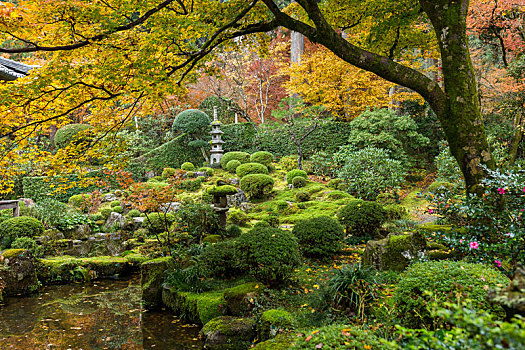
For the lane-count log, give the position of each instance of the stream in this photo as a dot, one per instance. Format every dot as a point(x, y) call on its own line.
point(104, 314)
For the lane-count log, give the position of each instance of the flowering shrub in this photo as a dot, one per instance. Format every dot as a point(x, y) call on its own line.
point(491, 227)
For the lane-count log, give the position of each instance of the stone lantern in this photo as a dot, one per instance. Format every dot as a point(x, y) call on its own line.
point(216, 141)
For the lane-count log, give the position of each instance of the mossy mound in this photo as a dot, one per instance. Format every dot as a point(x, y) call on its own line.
point(273, 322)
point(66, 269)
point(229, 333)
point(194, 307)
point(240, 300)
point(280, 342)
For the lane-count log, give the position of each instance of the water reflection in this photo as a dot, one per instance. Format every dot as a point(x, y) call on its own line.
point(102, 315)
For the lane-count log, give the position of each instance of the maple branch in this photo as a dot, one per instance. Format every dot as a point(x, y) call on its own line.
point(35, 47)
point(380, 65)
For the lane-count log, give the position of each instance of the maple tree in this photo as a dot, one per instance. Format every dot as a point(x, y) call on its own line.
point(119, 56)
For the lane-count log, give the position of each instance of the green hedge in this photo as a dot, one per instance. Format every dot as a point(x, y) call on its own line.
point(275, 138)
point(173, 154)
point(56, 187)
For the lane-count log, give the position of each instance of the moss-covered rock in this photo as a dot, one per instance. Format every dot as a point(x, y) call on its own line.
point(395, 251)
point(240, 300)
point(151, 276)
point(280, 342)
point(194, 307)
point(273, 322)
point(511, 298)
point(228, 333)
point(211, 239)
point(65, 269)
point(18, 272)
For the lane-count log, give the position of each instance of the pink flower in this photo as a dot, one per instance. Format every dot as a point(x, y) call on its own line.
point(498, 263)
point(319, 346)
point(474, 245)
point(523, 189)
point(460, 241)
point(501, 190)
point(430, 211)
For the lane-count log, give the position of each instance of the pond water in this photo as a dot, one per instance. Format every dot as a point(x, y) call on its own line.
point(104, 314)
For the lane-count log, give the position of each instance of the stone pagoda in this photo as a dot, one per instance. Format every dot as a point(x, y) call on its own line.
point(216, 140)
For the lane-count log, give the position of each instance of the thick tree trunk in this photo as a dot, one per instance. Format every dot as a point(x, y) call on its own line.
point(460, 118)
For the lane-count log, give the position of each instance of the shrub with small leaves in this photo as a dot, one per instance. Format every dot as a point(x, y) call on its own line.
point(268, 254)
point(219, 259)
point(133, 213)
point(233, 231)
point(362, 218)
point(207, 170)
point(168, 172)
point(257, 185)
point(445, 281)
point(71, 132)
point(341, 337)
point(24, 243)
point(319, 237)
point(288, 163)
point(337, 184)
point(157, 223)
point(251, 168)
point(262, 157)
point(21, 226)
point(79, 200)
point(298, 182)
point(396, 212)
point(242, 157)
point(237, 217)
point(261, 224)
point(302, 196)
point(187, 166)
point(294, 173)
point(232, 166)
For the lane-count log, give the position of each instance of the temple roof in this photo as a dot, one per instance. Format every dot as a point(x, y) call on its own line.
point(12, 70)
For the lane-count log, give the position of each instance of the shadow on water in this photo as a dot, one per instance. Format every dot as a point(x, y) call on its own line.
point(101, 315)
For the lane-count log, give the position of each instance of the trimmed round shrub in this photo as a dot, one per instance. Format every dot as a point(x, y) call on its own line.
point(232, 165)
point(21, 226)
point(341, 337)
point(362, 218)
point(168, 172)
point(446, 281)
point(337, 184)
point(302, 196)
point(396, 212)
point(24, 243)
point(78, 200)
point(262, 157)
point(319, 237)
point(233, 231)
point(133, 213)
point(105, 212)
point(187, 166)
point(237, 217)
point(251, 168)
point(242, 157)
point(441, 187)
point(268, 254)
point(261, 224)
point(298, 182)
point(219, 259)
point(113, 204)
point(386, 198)
point(207, 170)
point(335, 195)
point(117, 209)
point(257, 185)
point(294, 173)
point(157, 223)
point(191, 121)
point(68, 133)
